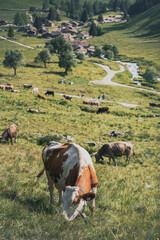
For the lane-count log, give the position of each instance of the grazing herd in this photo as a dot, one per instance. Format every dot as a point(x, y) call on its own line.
point(69, 167)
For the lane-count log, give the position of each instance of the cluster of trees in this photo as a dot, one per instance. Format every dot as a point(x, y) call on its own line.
point(20, 19)
point(64, 51)
point(80, 10)
point(53, 14)
point(141, 5)
point(122, 4)
point(108, 51)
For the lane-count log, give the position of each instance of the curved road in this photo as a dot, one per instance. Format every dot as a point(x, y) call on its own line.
point(23, 45)
point(108, 79)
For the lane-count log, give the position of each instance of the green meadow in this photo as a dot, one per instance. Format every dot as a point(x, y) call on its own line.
point(127, 203)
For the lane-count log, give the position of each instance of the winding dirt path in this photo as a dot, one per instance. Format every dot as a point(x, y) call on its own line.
point(23, 45)
point(108, 79)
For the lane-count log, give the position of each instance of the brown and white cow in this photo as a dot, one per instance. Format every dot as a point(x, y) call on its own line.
point(115, 149)
point(9, 133)
point(70, 169)
point(8, 87)
point(96, 103)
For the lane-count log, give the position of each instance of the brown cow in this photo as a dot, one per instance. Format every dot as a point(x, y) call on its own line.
point(70, 169)
point(9, 133)
point(40, 96)
point(67, 97)
point(115, 149)
point(87, 102)
point(103, 110)
point(33, 110)
point(16, 91)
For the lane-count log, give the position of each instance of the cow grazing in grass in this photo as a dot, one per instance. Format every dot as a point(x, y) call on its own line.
point(27, 86)
point(87, 102)
point(96, 103)
point(8, 87)
point(103, 110)
point(33, 110)
point(9, 133)
point(115, 149)
point(41, 96)
point(49, 93)
point(16, 91)
point(35, 90)
point(70, 169)
point(67, 97)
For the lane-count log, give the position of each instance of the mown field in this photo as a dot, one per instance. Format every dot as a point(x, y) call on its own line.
point(127, 204)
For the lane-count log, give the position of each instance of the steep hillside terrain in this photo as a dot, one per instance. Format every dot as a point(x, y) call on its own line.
point(17, 4)
point(147, 23)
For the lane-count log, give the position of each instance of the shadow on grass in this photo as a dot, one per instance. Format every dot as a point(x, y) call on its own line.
point(62, 74)
point(34, 205)
point(33, 66)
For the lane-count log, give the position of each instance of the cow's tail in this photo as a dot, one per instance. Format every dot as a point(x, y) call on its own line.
point(41, 173)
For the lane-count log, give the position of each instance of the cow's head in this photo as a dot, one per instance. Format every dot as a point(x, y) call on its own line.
point(73, 201)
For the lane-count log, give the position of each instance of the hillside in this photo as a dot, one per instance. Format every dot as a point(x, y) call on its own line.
point(147, 23)
point(17, 4)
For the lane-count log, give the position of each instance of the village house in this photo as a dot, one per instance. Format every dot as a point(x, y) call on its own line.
point(91, 50)
point(32, 31)
point(82, 35)
point(49, 23)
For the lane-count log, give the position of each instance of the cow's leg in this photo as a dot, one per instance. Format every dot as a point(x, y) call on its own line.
point(114, 160)
point(109, 160)
point(11, 140)
point(15, 139)
point(91, 204)
point(51, 188)
point(60, 195)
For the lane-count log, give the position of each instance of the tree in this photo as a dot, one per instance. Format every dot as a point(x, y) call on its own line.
point(59, 44)
point(52, 14)
point(100, 18)
point(115, 50)
point(93, 29)
point(13, 59)
point(109, 54)
point(10, 32)
point(97, 52)
point(84, 17)
point(37, 23)
point(18, 19)
point(150, 76)
point(81, 57)
point(43, 56)
point(66, 61)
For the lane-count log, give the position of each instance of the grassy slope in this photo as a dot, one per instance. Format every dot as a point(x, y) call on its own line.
point(127, 204)
point(147, 23)
point(16, 4)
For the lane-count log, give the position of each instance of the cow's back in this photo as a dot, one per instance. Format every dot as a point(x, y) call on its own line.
point(62, 163)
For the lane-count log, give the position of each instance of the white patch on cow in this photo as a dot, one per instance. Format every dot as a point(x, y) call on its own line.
point(70, 211)
point(52, 145)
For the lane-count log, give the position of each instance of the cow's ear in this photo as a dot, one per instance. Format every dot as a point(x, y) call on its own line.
point(88, 196)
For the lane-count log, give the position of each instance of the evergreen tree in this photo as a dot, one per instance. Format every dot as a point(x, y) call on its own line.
point(84, 17)
point(109, 54)
point(52, 14)
point(93, 29)
point(13, 59)
point(10, 32)
point(100, 18)
point(18, 19)
point(37, 23)
point(80, 56)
